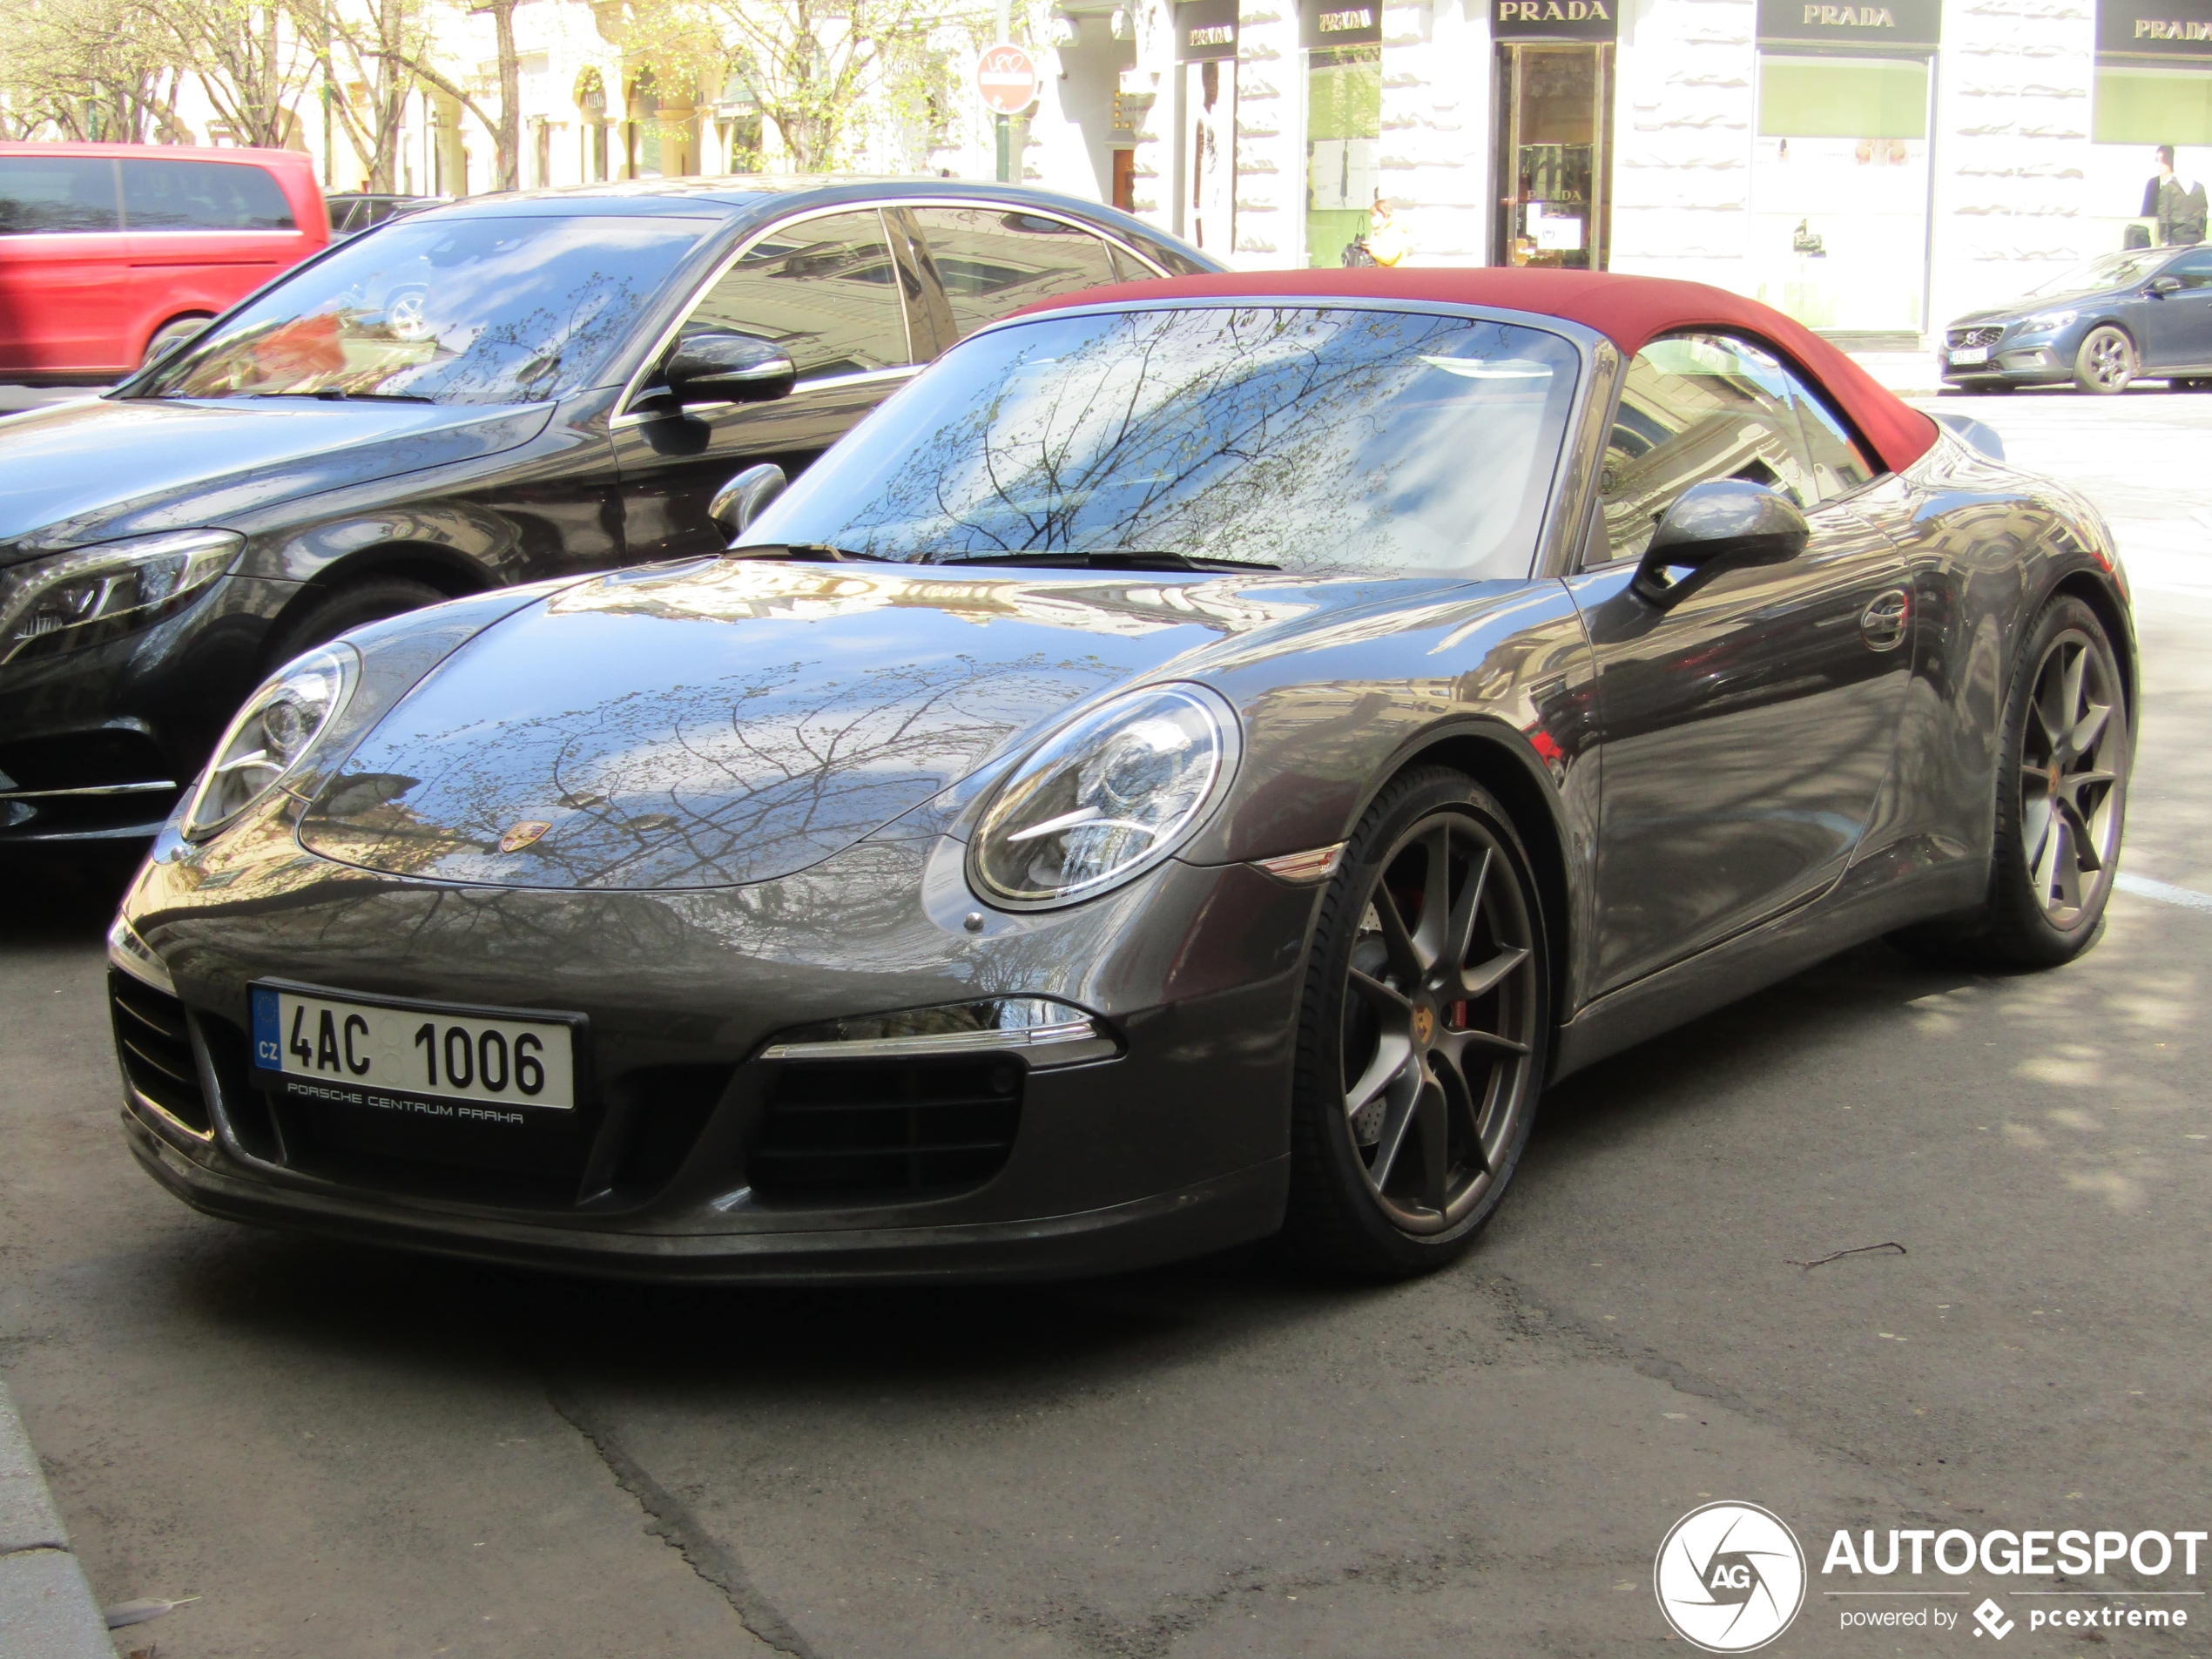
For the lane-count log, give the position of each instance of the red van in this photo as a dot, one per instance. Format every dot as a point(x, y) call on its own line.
point(106, 248)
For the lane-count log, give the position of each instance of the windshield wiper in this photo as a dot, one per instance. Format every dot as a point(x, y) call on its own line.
point(1112, 561)
point(808, 552)
point(340, 395)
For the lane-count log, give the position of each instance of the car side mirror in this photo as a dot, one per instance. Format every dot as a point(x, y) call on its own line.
point(745, 498)
point(2158, 287)
point(1723, 524)
point(729, 368)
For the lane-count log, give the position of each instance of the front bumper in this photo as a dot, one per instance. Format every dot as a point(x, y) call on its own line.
point(1177, 1145)
point(96, 745)
point(2040, 359)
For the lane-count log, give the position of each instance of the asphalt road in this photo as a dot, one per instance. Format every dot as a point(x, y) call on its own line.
point(342, 1453)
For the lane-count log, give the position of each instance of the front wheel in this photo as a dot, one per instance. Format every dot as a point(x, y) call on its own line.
point(2107, 361)
point(1422, 1035)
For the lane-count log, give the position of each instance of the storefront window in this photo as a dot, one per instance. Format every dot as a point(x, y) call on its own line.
point(1554, 105)
point(2154, 86)
point(1343, 124)
point(1839, 191)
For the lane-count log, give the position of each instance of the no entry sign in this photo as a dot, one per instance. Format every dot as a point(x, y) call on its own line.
point(1006, 79)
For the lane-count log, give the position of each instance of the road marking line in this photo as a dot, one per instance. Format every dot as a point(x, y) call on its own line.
point(2143, 887)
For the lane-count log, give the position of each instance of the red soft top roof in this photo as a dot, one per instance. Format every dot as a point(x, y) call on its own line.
point(1628, 310)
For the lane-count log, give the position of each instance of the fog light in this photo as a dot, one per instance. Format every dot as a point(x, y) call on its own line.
point(1045, 1032)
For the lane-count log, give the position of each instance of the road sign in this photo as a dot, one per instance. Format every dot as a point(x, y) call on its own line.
point(1006, 79)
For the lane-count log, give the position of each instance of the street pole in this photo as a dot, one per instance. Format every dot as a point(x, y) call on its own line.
point(1005, 123)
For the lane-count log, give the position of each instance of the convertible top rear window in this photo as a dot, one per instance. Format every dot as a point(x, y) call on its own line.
point(1326, 439)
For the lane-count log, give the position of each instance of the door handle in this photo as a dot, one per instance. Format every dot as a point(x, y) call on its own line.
point(1884, 623)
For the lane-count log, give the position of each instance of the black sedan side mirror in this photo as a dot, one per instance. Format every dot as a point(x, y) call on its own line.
point(1723, 524)
point(745, 498)
point(2159, 287)
point(729, 368)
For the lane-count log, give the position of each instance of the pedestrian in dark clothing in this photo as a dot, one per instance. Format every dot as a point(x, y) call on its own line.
point(2176, 202)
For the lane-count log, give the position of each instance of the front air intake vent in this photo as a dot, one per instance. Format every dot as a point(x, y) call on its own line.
point(154, 1045)
point(834, 1131)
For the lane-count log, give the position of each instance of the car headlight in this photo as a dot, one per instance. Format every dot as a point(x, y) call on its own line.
point(1107, 797)
point(91, 593)
point(2045, 321)
point(274, 732)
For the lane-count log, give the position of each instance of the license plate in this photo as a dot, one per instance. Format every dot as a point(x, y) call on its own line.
point(1966, 354)
point(370, 1053)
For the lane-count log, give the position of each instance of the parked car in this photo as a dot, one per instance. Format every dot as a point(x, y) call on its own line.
point(111, 253)
point(2145, 314)
point(471, 397)
point(352, 212)
point(1139, 792)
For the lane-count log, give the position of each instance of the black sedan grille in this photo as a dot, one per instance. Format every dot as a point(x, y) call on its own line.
point(1986, 335)
point(155, 1046)
point(884, 1131)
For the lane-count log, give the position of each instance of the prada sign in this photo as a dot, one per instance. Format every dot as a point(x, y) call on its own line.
point(2154, 32)
point(1554, 19)
point(1324, 24)
point(1205, 30)
point(1912, 26)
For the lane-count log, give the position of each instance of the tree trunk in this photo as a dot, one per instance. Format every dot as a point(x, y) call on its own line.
point(508, 132)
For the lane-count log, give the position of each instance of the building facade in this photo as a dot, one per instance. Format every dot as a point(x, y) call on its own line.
point(1867, 168)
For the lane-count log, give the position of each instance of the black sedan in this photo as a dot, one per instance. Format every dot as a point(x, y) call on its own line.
point(1190, 767)
point(2143, 314)
point(460, 400)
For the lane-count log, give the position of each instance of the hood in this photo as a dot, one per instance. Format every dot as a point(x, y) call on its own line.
point(105, 468)
point(738, 720)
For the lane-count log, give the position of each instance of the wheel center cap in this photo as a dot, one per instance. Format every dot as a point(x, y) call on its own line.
point(1424, 1024)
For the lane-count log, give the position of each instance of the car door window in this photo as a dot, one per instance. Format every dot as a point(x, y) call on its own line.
point(824, 289)
point(2194, 270)
point(1700, 406)
point(164, 195)
point(993, 261)
point(57, 193)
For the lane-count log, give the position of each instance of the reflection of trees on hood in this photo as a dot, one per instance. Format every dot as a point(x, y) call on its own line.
point(739, 779)
point(1317, 439)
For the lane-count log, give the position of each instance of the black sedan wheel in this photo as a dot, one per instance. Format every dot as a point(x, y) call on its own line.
point(2107, 361)
point(1421, 1043)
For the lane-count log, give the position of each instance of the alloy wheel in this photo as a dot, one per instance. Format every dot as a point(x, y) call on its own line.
point(2108, 361)
point(2071, 746)
point(1438, 1022)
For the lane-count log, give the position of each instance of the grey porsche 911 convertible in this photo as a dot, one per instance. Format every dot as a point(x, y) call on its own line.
point(1191, 766)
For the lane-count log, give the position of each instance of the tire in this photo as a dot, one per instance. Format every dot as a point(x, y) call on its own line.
point(2050, 875)
point(177, 328)
point(2107, 361)
point(371, 599)
point(1408, 1112)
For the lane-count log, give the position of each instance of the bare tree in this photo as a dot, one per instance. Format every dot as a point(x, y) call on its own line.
point(412, 54)
point(88, 70)
point(250, 56)
point(810, 65)
point(368, 44)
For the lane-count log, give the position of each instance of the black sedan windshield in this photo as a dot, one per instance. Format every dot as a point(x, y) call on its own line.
point(443, 310)
point(1321, 439)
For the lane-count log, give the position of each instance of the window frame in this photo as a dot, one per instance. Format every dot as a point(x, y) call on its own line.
point(1593, 535)
point(121, 227)
point(1114, 245)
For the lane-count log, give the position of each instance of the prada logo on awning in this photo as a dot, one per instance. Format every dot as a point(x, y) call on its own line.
point(1554, 11)
point(1220, 34)
point(2162, 28)
point(1337, 23)
point(1851, 17)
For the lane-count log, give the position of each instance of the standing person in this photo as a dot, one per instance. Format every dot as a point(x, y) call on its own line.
point(2181, 206)
point(1386, 238)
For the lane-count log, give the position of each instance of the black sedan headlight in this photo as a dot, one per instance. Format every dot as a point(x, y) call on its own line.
point(274, 732)
point(91, 593)
point(1106, 798)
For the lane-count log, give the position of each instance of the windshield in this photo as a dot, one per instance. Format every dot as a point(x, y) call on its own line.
point(2106, 271)
point(1322, 440)
point(444, 311)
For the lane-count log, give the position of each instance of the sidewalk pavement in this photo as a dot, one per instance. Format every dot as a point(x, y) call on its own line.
point(1909, 373)
point(46, 1608)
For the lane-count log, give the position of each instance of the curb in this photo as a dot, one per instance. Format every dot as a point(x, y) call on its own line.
point(46, 1608)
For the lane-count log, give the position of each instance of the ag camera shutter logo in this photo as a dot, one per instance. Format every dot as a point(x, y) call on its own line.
point(1729, 1577)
